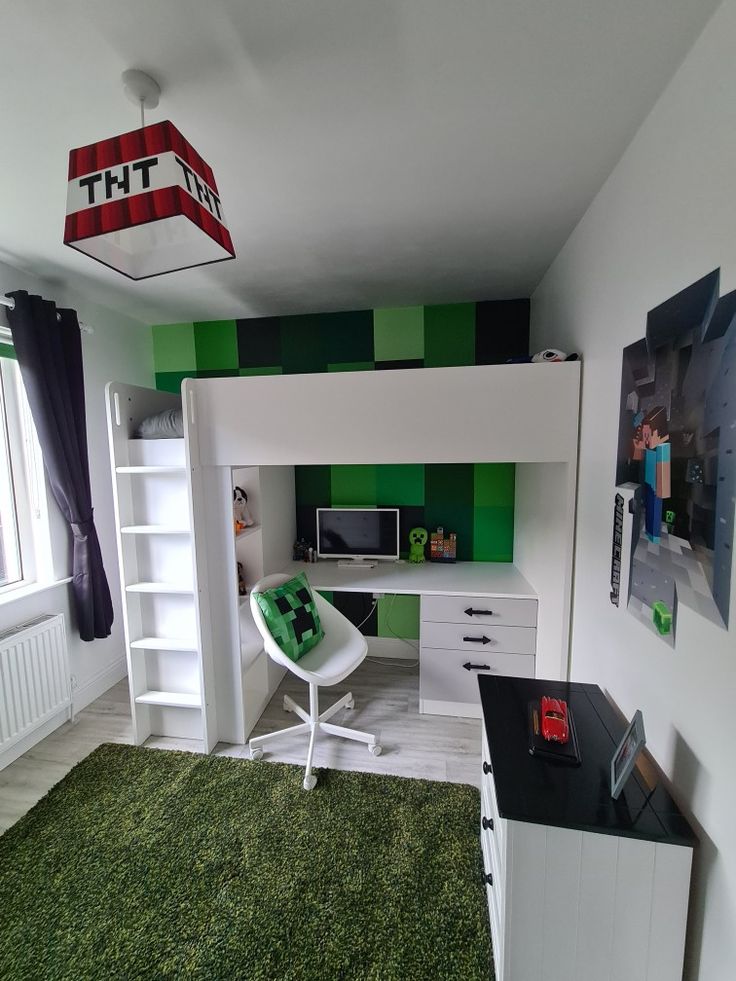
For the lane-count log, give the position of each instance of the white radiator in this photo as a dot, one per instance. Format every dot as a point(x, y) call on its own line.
point(35, 687)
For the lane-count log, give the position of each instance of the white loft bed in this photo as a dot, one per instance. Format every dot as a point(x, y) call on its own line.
point(265, 425)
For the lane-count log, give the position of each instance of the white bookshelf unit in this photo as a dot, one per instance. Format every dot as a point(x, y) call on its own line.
point(170, 670)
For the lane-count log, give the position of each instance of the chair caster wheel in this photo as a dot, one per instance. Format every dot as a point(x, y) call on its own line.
point(256, 753)
point(310, 782)
point(286, 706)
point(375, 749)
point(350, 704)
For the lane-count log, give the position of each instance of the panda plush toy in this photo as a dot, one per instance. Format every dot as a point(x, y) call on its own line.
point(241, 513)
point(550, 355)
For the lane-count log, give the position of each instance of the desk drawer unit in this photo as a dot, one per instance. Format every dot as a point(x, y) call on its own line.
point(464, 636)
point(480, 609)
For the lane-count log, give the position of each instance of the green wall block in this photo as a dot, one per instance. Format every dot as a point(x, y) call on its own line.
point(399, 616)
point(275, 369)
point(348, 336)
point(216, 345)
point(170, 381)
point(353, 485)
point(398, 333)
point(450, 483)
point(302, 350)
point(173, 347)
point(400, 483)
point(8, 351)
point(494, 484)
point(312, 485)
point(493, 534)
point(449, 335)
point(351, 366)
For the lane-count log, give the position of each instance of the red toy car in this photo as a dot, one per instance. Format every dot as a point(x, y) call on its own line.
point(555, 727)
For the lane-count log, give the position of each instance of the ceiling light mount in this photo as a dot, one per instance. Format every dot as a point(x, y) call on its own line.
point(140, 88)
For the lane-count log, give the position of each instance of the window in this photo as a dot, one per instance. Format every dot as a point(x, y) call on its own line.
point(24, 546)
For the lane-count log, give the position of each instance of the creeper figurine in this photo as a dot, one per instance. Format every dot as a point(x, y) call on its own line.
point(651, 445)
point(417, 541)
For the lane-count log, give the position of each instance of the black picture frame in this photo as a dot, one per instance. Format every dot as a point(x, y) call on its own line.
point(627, 752)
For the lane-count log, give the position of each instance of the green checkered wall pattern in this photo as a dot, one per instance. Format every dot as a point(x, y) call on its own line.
point(476, 500)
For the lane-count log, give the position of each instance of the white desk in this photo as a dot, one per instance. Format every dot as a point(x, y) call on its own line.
point(475, 618)
point(500, 579)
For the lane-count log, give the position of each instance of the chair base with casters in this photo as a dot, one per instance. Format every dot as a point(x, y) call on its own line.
point(336, 656)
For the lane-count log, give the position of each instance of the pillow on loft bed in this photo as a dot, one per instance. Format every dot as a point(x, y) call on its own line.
point(291, 615)
point(168, 424)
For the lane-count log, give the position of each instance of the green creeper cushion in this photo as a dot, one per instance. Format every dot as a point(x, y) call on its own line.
point(291, 614)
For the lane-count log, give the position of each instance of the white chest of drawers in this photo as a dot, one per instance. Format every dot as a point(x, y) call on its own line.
point(462, 637)
point(579, 888)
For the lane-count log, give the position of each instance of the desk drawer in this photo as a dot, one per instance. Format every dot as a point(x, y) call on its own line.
point(486, 609)
point(442, 676)
point(479, 640)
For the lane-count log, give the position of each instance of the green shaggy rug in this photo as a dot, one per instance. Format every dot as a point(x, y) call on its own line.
point(154, 864)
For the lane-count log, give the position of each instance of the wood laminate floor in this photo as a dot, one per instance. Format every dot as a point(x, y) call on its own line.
point(386, 703)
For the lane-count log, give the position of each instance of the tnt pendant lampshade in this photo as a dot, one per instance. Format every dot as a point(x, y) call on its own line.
point(145, 203)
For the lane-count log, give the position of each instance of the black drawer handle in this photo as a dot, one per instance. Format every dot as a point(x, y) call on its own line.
point(477, 640)
point(487, 823)
point(488, 878)
point(478, 613)
point(487, 768)
point(476, 667)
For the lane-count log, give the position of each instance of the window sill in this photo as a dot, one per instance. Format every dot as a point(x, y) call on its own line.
point(11, 594)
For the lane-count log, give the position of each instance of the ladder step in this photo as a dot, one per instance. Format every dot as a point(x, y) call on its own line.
point(152, 470)
point(159, 587)
point(153, 530)
point(164, 644)
point(174, 699)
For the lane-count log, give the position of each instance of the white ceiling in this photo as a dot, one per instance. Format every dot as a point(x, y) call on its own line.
point(368, 152)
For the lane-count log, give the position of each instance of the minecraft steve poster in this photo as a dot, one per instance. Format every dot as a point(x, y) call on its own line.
point(677, 443)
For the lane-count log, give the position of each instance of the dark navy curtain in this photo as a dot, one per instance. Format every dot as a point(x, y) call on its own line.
point(49, 352)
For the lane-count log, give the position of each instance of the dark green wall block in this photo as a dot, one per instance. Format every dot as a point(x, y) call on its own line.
point(216, 345)
point(313, 485)
point(259, 342)
point(449, 335)
point(400, 483)
point(170, 381)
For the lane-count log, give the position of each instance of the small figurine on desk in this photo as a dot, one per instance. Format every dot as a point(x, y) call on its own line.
point(443, 549)
point(417, 541)
point(300, 552)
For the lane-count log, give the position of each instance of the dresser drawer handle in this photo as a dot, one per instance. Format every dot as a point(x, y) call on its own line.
point(477, 640)
point(488, 878)
point(476, 667)
point(487, 768)
point(478, 613)
point(487, 823)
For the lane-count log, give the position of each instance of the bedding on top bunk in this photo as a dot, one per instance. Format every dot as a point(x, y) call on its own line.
point(168, 424)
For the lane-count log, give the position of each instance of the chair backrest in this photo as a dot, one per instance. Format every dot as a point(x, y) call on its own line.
point(271, 647)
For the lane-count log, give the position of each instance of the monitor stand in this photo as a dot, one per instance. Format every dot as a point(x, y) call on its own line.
point(357, 563)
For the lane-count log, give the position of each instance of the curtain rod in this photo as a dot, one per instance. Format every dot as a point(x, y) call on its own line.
point(9, 302)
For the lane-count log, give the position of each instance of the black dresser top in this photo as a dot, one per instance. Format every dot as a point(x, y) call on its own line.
point(531, 789)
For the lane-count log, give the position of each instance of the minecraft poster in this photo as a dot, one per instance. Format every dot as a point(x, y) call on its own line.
point(677, 458)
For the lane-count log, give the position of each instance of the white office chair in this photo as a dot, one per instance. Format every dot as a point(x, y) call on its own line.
point(337, 655)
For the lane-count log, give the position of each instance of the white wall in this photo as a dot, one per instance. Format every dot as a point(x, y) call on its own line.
point(665, 217)
point(120, 349)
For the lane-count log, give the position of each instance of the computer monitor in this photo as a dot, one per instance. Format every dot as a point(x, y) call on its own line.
point(358, 533)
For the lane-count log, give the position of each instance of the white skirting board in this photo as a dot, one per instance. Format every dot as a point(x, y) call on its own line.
point(99, 683)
